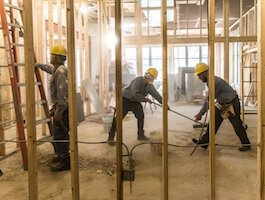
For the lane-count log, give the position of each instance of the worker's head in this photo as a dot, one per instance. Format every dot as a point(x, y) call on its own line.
point(201, 70)
point(150, 75)
point(58, 54)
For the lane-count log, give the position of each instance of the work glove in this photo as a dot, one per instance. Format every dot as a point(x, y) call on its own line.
point(52, 111)
point(149, 101)
point(198, 117)
point(58, 115)
point(38, 65)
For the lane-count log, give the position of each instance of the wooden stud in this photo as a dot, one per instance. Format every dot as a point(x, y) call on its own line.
point(39, 50)
point(138, 32)
point(2, 134)
point(104, 52)
point(165, 99)
point(87, 56)
point(100, 67)
point(211, 20)
point(261, 100)
point(118, 85)
point(226, 36)
point(50, 18)
point(157, 40)
point(70, 16)
point(30, 100)
point(59, 25)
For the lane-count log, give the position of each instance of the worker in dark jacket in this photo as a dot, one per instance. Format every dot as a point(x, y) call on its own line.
point(59, 97)
point(132, 96)
point(227, 106)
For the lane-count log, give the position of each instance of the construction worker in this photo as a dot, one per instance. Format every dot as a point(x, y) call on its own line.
point(59, 111)
point(132, 96)
point(227, 106)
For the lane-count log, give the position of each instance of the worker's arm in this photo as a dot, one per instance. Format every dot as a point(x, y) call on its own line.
point(62, 92)
point(154, 93)
point(45, 67)
point(203, 110)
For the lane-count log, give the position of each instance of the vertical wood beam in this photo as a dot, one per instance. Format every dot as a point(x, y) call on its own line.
point(30, 100)
point(50, 18)
point(2, 132)
point(226, 36)
point(261, 99)
point(138, 33)
point(80, 39)
point(104, 57)
point(211, 35)
point(99, 49)
point(87, 55)
point(41, 40)
point(175, 20)
point(165, 98)
point(118, 85)
point(59, 25)
point(70, 18)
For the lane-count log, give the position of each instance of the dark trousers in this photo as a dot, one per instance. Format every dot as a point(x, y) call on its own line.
point(61, 129)
point(137, 109)
point(236, 122)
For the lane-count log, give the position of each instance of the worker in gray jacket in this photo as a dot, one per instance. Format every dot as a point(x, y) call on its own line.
point(227, 106)
point(59, 111)
point(132, 96)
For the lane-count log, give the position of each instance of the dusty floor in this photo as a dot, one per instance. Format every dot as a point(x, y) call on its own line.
point(188, 175)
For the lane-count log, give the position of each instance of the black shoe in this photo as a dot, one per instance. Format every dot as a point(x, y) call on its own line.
point(196, 142)
point(143, 138)
point(244, 148)
point(60, 166)
point(111, 141)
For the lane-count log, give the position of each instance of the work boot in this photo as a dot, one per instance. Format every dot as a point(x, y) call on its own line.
point(55, 159)
point(199, 142)
point(63, 164)
point(60, 166)
point(111, 141)
point(244, 148)
point(143, 138)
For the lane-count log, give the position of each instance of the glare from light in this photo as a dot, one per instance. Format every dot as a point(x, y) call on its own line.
point(111, 41)
point(83, 9)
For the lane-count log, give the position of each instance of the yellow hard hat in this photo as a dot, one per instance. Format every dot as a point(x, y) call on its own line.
point(152, 71)
point(58, 50)
point(201, 67)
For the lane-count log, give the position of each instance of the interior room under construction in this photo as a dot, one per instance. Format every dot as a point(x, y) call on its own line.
point(122, 99)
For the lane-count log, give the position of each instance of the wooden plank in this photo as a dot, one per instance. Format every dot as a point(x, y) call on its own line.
point(70, 16)
point(87, 56)
point(60, 29)
point(50, 18)
point(138, 31)
point(261, 100)
point(165, 99)
point(226, 36)
point(41, 41)
point(118, 85)
point(30, 100)
point(2, 134)
point(211, 20)
point(171, 40)
point(100, 67)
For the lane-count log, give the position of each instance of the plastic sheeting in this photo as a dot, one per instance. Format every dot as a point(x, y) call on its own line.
point(88, 91)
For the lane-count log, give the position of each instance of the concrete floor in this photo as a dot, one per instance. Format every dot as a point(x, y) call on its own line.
point(188, 175)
